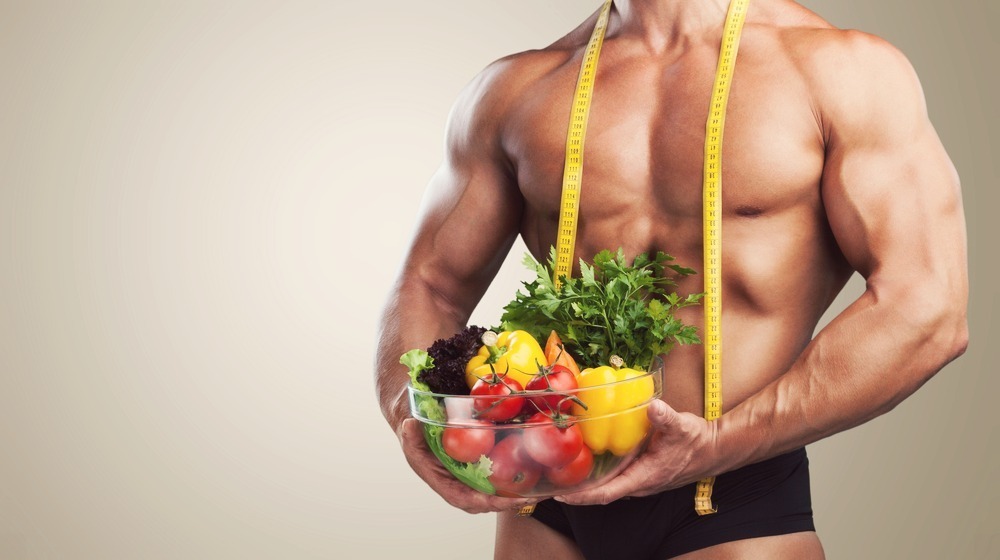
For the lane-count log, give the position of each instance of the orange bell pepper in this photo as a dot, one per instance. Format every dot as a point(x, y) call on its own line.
point(556, 353)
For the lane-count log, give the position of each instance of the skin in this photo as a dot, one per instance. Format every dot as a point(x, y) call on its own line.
point(831, 166)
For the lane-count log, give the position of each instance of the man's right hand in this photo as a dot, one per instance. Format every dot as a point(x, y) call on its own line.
point(427, 467)
point(470, 217)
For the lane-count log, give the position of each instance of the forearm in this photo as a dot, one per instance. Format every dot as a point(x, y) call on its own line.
point(871, 357)
point(892, 199)
point(414, 317)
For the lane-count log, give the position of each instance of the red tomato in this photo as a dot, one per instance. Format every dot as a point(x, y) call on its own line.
point(514, 473)
point(499, 398)
point(553, 442)
point(468, 444)
point(556, 382)
point(574, 473)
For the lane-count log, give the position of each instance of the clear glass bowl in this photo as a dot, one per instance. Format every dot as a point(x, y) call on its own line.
point(538, 453)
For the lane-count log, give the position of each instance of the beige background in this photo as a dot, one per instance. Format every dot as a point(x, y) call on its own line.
point(201, 207)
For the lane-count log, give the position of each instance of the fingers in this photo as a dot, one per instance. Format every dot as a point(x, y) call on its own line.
point(660, 414)
point(636, 480)
point(428, 468)
point(410, 434)
point(639, 478)
point(484, 503)
point(628, 483)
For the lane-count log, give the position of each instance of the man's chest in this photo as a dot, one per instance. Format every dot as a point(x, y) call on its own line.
point(645, 139)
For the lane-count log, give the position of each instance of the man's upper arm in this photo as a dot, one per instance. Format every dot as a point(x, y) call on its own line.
point(890, 192)
point(471, 210)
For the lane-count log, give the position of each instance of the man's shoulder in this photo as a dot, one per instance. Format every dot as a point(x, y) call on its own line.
point(515, 71)
point(820, 50)
point(806, 35)
point(841, 52)
point(518, 69)
point(501, 86)
point(502, 82)
point(483, 108)
point(853, 75)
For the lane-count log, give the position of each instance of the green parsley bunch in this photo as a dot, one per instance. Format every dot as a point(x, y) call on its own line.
point(613, 308)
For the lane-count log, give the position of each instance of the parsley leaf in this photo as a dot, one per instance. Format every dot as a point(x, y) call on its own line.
point(613, 307)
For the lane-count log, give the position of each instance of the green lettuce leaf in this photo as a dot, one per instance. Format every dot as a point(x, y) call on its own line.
point(417, 360)
point(475, 474)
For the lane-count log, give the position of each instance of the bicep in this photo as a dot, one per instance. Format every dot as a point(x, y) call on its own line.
point(890, 192)
point(471, 211)
point(468, 221)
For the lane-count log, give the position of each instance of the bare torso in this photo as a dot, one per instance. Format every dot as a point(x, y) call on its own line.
point(642, 187)
point(825, 129)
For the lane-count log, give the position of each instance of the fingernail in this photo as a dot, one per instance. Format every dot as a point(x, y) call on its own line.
point(559, 499)
point(659, 407)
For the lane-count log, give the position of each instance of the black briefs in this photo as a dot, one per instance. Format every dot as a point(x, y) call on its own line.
point(759, 500)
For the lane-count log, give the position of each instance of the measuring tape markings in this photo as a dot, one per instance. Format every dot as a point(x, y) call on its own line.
point(712, 224)
point(569, 204)
point(712, 202)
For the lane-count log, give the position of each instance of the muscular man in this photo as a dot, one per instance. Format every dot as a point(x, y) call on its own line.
point(831, 166)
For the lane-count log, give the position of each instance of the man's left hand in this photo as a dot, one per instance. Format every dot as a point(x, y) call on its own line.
point(681, 451)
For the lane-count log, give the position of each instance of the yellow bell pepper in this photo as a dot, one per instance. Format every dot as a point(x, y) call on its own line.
point(516, 354)
point(622, 432)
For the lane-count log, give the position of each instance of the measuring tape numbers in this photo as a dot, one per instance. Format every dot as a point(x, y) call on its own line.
point(712, 223)
point(711, 192)
point(569, 205)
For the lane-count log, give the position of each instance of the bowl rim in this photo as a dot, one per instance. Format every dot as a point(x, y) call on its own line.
point(414, 393)
point(487, 425)
point(650, 373)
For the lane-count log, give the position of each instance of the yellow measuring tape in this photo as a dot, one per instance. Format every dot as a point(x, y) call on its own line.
point(712, 202)
point(569, 205)
point(712, 220)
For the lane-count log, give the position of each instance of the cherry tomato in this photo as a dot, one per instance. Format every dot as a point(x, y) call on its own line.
point(552, 441)
point(556, 382)
point(514, 472)
point(575, 472)
point(498, 398)
point(468, 444)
